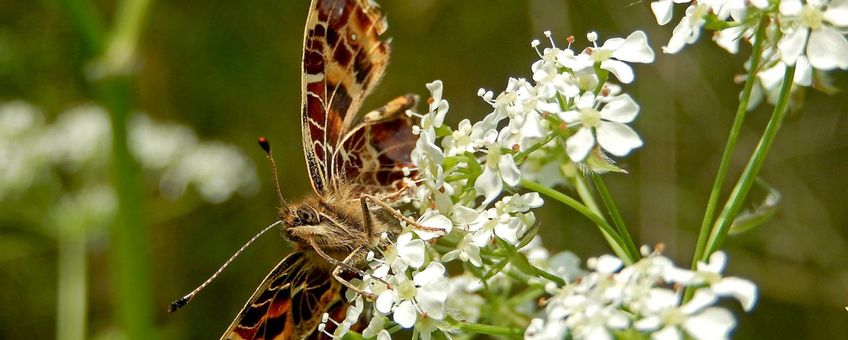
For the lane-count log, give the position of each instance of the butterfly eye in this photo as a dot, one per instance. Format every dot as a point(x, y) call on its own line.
point(308, 216)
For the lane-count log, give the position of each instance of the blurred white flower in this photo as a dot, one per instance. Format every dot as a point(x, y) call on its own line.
point(157, 145)
point(216, 170)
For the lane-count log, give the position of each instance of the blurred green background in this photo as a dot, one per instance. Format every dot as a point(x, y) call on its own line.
point(230, 71)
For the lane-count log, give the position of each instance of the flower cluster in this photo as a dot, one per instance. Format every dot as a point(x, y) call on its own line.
point(75, 151)
point(467, 209)
point(808, 35)
point(646, 297)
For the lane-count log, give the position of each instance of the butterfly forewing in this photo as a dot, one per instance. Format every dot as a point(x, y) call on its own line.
point(288, 304)
point(343, 58)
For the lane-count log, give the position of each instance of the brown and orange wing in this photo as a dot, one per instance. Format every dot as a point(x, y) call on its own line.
point(372, 156)
point(343, 59)
point(289, 303)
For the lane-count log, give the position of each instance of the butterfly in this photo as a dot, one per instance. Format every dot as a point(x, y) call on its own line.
point(349, 157)
point(355, 163)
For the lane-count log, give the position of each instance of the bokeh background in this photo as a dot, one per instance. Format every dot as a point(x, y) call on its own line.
point(229, 70)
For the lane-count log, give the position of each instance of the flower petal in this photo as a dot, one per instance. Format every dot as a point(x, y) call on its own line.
point(662, 11)
point(578, 145)
point(621, 70)
point(837, 13)
point(827, 49)
point(635, 49)
point(618, 139)
point(509, 171)
point(743, 290)
point(622, 109)
point(792, 45)
point(385, 301)
point(712, 323)
point(405, 314)
point(488, 184)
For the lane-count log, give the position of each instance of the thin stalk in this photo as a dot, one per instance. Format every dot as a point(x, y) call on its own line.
point(72, 305)
point(615, 241)
point(752, 169)
point(512, 332)
point(587, 198)
point(617, 220)
point(730, 146)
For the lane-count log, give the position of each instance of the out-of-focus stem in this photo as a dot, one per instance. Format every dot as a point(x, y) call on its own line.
point(72, 306)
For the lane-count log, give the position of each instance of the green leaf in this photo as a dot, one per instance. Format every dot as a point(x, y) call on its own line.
point(764, 211)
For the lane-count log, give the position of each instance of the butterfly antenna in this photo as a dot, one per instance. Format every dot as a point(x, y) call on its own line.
point(176, 305)
point(266, 146)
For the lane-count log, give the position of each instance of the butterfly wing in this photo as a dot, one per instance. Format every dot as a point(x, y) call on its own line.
point(372, 156)
point(288, 304)
point(343, 58)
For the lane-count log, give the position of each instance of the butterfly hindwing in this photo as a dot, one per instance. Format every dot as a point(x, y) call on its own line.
point(288, 304)
point(371, 157)
point(343, 58)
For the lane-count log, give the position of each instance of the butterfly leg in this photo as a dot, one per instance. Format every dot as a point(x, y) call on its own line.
point(345, 265)
point(338, 271)
point(400, 216)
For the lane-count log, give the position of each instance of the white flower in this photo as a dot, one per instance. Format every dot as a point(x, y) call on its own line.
point(663, 9)
point(710, 273)
point(499, 169)
point(158, 145)
point(426, 293)
point(466, 251)
point(614, 52)
point(438, 108)
point(217, 171)
point(689, 28)
point(508, 219)
point(404, 253)
point(433, 219)
point(694, 317)
point(815, 29)
point(606, 125)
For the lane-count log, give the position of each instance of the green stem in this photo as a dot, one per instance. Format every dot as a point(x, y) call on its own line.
point(613, 238)
point(490, 330)
point(72, 294)
point(752, 169)
point(727, 155)
point(587, 198)
point(521, 156)
point(130, 265)
point(617, 220)
point(84, 17)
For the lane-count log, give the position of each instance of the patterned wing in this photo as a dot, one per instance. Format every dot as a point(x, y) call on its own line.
point(371, 157)
point(289, 303)
point(343, 58)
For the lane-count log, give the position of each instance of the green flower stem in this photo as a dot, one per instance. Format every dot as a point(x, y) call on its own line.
point(477, 328)
point(615, 241)
point(587, 198)
point(617, 220)
point(130, 265)
point(521, 156)
point(72, 305)
point(752, 169)
point(727, 156)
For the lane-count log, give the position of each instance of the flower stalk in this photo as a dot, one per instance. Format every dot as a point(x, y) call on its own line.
point(730, 146)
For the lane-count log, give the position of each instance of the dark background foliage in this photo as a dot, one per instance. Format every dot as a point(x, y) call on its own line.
point(230, 70)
